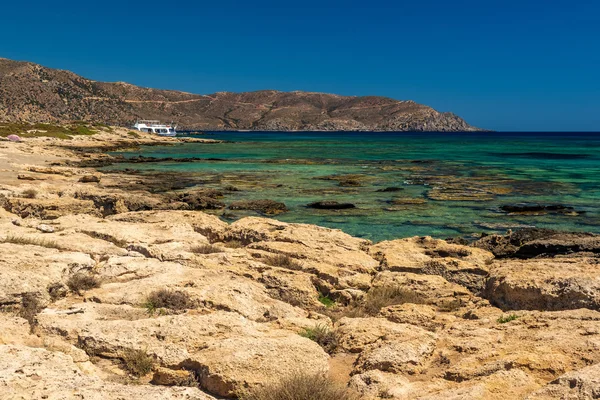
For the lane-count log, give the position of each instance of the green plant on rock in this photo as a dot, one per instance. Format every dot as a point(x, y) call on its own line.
point(322, 335)
point(507, 318)
point(326, 301)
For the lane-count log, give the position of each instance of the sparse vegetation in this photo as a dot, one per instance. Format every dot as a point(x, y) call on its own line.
point(80, 282)
point(507, 318)
point(168, 299)
point(384, 296)
point(321, 334)
point(65, 131)
point(234, 244)
point(29, 193)
point(30, 308)
point(283, 261)
point(31, 241)
point(137, 362)
point(301, 386)
point(326, 301)
point(206, 249)
point(134, 134)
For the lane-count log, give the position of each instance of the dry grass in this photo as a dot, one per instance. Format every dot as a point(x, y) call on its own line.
point(325, 337)
point(29, 193)
point(30, 308)
point(170, 299)
point(234, 244)
point(31, 241)
point(137, 362)
point(283, 261)
point(372, 303)
point(81, 282)
point(206, 249)
point(301, 386)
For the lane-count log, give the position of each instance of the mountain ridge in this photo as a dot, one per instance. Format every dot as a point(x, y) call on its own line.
point(30, 92)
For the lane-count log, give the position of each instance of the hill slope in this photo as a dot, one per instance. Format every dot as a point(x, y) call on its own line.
point(33, 93)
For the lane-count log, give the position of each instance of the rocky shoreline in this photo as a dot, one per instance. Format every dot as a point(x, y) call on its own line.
point(115, 285)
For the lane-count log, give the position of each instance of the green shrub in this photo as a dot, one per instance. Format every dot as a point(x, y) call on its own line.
point(322, 335)
point(326, 301)
point(301, 386)
point(507, 318)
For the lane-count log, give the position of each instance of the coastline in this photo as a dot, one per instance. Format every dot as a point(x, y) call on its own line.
point(510, 313)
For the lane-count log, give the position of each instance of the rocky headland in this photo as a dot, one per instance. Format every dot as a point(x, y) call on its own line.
point(33, 93)
point(114, 285)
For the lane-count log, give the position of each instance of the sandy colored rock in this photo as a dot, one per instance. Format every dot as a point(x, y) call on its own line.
point(545, 284)
point(464, 265)
point(30, 373)
point(580, 384)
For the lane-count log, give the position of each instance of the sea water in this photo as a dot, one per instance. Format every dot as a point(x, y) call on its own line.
point(449, 184)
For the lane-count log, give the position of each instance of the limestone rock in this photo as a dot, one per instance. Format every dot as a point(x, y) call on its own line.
point(581, 384)
point(464, 265)
point(545, 284)
point(31, 373)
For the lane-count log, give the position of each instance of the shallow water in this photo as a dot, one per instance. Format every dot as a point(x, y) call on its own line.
point(451, 184)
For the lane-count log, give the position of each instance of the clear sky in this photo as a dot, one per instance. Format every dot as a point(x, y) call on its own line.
point(500, 64)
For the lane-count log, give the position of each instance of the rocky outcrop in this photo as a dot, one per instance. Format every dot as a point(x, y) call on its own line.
point(30, 92)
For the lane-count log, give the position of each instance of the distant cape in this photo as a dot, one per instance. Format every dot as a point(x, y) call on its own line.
point(32, 93)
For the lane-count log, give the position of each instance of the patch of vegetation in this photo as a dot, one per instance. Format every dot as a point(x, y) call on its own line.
point(326, 301)
point(507, 318)
point(29, 193)
point(385, 296)
point(137, 362)
point(65, 131)
point(206, 249)
point(322, 335)
point(168, 299)
point(79, 283)
point(30, 308)
point(31, 241)
point(234, 244)
point(283, 261)
point(301, 386)
point(134, 134)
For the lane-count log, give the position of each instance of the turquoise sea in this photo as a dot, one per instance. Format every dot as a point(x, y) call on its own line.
point(448, 184)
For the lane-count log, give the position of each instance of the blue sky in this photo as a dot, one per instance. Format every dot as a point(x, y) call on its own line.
point(503, 65)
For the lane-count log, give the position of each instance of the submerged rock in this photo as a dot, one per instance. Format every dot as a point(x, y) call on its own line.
point(269, 207)
point(390, 189)
point(330, 205)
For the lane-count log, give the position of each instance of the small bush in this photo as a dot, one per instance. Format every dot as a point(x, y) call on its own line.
point(326, 301)
point(301, 386)
point(31, 241)
point(507, 318)
point(283, 261)
point(206, 249)
point(170, 299)
point(30, 308)
point(322, 335)
point(134, 134)
point(233, 244)
point(81, 282)
point(384, 296)
point(29, 193)
point(137, 362)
